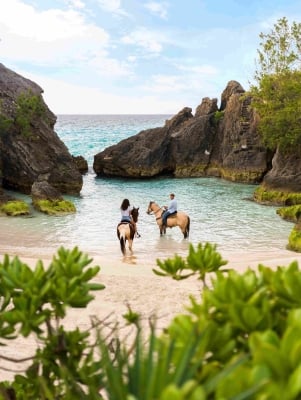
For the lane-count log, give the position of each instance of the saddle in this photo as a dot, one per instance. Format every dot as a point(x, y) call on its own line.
point(132, 227)
point(172, 215)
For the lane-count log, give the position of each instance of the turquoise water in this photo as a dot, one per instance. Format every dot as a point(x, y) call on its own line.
point(221, 212)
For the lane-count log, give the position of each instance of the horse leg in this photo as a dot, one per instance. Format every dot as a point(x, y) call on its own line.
point(185, 229)
point(162, 230)
point(130, 245)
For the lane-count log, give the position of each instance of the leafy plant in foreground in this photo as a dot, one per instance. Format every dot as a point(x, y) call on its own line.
point(200, 261)
point(35, 302)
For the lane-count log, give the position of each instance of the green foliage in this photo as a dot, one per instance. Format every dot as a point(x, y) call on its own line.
point(55, 207)
point(278, 102)
point(217, 117)
point(15, 208)
point(240, 339)
point(277, 96)
point(5, 124)
point(34, 301)
point(29, 107)
point(291, 213)
point(200, 261)
point(262, 195)
point(294, 240)
point(280, 49)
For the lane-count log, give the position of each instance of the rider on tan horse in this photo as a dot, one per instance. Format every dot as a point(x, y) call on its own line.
point(170, 210)
point(179, 219)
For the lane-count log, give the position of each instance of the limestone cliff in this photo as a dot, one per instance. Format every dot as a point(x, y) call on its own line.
point(215, 142)
point(30, 149)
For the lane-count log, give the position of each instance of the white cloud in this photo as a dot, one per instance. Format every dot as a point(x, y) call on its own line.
point(199, 69)
point(159, 9)
point(55, 39)
point(112, 6)
point(64, 98)
point(109, 67)
point(144, 39)
point(76, 4)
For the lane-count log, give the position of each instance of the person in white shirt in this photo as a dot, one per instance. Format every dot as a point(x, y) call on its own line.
point(126, 216)
point(171, 209)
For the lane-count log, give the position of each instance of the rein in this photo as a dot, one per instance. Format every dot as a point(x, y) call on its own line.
point(156, 212)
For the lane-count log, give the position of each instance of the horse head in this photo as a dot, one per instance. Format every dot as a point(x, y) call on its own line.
point(150, 207)
point(135, 213)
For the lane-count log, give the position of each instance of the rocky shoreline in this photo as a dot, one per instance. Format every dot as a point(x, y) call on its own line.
point(214, 142)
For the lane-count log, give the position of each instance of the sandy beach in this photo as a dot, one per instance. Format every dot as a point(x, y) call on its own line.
point(130, 282)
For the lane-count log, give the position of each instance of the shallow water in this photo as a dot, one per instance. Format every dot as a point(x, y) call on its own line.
point(221, 212)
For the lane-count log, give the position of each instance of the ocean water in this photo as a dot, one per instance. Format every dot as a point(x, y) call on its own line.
point(221, 212)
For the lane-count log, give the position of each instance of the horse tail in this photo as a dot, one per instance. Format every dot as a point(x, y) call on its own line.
point(186, 233)
point(122, 239)
point(122, 243)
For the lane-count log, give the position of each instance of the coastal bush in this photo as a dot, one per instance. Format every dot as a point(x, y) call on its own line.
point(291, 213)
point(15, 208)
point(28, 107)
point(35, 302)
point(55, 207)
point(274, 197)
point(277, 95)
point(240, 338)
point(294, 240)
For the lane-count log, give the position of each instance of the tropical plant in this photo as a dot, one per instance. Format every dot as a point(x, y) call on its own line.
point(35, 302)
point(239, 339)
point(277, 95)
point(200, 261)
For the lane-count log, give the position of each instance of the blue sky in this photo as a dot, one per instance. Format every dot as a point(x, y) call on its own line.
point(135, 56)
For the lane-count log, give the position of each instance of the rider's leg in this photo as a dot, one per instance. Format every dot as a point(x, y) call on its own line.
point(164, 218)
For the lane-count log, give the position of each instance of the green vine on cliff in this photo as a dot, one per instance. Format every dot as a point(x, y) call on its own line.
point(29, 106)
point(217, 116)
point(5, 123)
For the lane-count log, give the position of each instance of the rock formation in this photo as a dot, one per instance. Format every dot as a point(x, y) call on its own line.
point(222, 143)
point(29, 147)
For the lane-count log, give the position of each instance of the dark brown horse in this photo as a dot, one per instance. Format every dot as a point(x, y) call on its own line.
point(179, 219)
point(126, 231)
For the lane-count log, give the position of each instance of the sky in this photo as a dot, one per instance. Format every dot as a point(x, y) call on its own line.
point(135, 56)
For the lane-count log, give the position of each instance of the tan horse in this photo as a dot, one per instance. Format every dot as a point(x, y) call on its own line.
point(126, 232)
point(179, 219)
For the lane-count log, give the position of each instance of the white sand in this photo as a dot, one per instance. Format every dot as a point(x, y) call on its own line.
point(128, 282)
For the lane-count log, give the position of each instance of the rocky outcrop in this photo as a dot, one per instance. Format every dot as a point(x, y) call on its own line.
point(29, 147)
point(222, 143)
point(81, 163)
point(285, 174)
point(43, 191)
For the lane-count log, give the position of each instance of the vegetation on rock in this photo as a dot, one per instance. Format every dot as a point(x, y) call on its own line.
point(55, 207)
point(294, 240)
point(29, 107)
point(291, 213)
point(15, 208)
point(274, 197)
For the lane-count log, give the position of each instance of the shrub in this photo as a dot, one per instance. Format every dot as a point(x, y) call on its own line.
point(15, 208)
point(55, 207)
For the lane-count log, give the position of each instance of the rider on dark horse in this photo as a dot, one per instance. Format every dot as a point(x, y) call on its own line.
point(126, 215)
